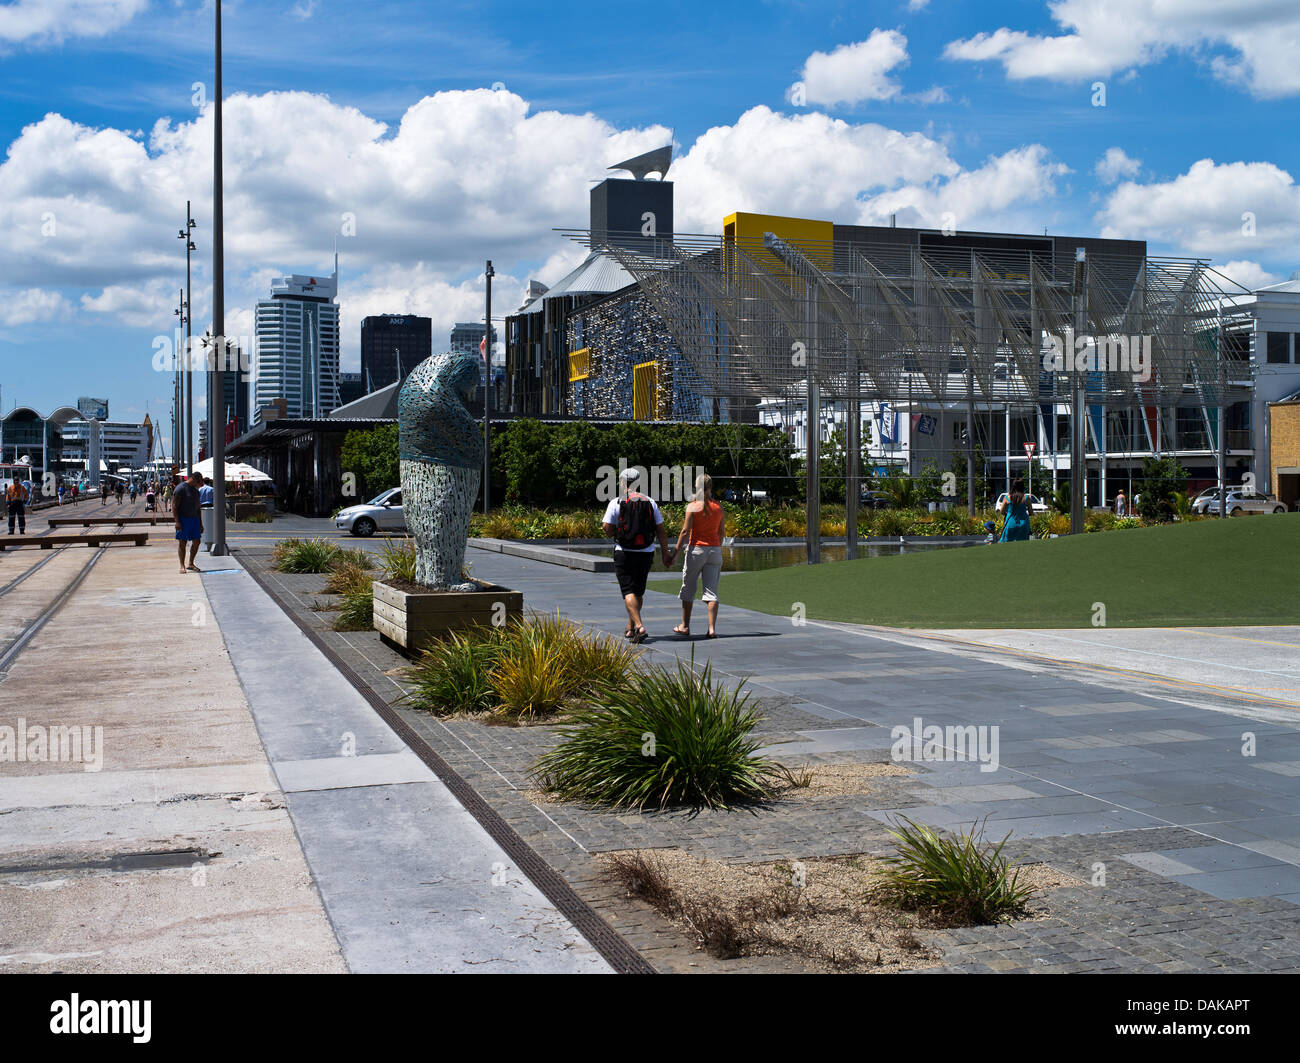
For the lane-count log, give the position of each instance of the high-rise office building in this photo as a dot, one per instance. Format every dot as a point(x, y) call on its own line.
point(298, 347)
point(465, 338)
point(391, 346)
point(351, 388)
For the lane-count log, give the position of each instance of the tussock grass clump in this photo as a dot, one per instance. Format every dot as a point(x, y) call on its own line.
point(663, 738)
point(397, 560)
point(959, 879)
point(356, 610)
point(530, 668)
point(304, 555)
point(348, 579)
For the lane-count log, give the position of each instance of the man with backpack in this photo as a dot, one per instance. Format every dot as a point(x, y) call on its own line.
point(16, 498)
point(635, 522)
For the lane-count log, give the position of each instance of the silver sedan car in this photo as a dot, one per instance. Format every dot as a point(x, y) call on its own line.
point(381, 513)
point(1238, 502)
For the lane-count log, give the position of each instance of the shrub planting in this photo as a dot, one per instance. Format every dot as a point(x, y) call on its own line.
point(663, 738)
point(958, 879)
point(309, 555)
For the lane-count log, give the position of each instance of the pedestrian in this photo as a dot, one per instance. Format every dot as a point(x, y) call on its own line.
point(189, 525)
point(635, 522)
point(702, 533)
point(1015, 513)
point(103, 492)
point(134, 490)
point(167, 495)
point(1121, 504)
point(16, 499)
point(62, 489)
point(117, 487)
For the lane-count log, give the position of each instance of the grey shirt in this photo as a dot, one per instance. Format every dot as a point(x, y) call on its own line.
point(185, 501)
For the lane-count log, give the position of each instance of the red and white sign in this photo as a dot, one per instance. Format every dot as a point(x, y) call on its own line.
point(482, 346)
point(1029, 450)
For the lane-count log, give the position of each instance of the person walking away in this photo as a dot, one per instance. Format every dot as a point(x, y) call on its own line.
point(635, 521)
point(1015, 512)
point(16, 504)
point(702, 533)
point(1121, 505)
point(189, 526)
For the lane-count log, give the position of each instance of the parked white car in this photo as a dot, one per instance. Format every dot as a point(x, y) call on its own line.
point(1036, 504)
point(381, 513)
point(1238, 502)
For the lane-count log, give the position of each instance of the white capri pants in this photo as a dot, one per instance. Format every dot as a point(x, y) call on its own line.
point(700, 561)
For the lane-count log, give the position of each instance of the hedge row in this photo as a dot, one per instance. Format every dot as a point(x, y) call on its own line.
point(569, 464)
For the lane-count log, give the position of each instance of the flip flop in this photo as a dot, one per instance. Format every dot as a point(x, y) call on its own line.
point(679, 630)
point(640, 635)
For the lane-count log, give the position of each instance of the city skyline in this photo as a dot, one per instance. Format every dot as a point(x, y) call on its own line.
point(917, 109)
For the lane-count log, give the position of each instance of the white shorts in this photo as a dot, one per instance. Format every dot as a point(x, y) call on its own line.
point(700, 561)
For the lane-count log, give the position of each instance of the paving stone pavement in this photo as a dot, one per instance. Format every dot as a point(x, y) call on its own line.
point(1189, 851)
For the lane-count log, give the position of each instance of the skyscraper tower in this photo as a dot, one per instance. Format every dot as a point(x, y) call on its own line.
point(298, 346)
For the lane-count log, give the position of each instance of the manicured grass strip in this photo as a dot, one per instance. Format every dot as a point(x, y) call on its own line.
point(1226, 572)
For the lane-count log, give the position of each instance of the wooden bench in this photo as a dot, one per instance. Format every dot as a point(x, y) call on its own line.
point(86, 522)
point(48, 542)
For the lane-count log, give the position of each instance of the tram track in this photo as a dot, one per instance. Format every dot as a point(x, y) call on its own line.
point(19, 642)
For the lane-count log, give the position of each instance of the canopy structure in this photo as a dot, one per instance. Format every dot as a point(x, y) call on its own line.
point(758, 319)
point(236, 472)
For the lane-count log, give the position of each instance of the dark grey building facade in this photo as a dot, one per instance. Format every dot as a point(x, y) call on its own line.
point(391, 346)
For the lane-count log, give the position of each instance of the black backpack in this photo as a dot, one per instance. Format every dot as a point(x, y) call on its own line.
point(636, 523)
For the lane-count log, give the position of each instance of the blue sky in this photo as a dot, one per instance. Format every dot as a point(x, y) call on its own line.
point(386, 110)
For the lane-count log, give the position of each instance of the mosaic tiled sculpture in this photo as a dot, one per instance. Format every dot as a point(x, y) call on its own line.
point(441, 454)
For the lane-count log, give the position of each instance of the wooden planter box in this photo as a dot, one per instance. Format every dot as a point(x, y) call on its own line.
point(410, 620)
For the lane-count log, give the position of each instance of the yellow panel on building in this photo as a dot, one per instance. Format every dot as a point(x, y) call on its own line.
point(1284, 451)
point(745, 232)
point(645, 391)
point(579, 364)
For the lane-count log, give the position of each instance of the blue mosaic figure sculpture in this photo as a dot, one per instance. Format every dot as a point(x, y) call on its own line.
point(440, 450)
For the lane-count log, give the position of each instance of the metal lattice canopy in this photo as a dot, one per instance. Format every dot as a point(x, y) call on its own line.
point(755, 319)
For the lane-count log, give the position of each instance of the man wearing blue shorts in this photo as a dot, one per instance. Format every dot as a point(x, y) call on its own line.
point(189, 523)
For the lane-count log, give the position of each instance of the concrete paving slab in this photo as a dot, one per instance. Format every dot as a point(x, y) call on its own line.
point(412, 882)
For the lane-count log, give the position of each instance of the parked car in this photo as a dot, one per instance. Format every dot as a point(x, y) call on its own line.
point(1036, 504)
point(875, 500)
point(381, 513)
point(1238, 502)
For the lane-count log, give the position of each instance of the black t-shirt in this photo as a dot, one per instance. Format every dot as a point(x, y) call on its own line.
point(185, 501)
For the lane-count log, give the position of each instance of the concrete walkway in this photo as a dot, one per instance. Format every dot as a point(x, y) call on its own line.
point(411, 881)
point(177, 854)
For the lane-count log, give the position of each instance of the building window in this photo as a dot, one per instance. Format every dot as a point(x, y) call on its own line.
point(1279, 347)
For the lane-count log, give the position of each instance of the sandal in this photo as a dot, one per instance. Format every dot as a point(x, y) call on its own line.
point(640, 635)
point(680, 630)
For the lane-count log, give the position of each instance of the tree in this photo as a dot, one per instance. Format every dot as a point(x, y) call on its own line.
point(1162, 480)
point(371, 456)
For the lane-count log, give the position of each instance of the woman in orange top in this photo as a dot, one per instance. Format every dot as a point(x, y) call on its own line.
point(703, 532)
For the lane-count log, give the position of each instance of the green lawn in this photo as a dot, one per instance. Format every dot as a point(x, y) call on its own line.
point(1221, 572)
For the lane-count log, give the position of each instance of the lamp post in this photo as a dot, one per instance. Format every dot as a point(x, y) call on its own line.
point(489, 273)
point(219, 347)
point(188, 367)
point(182, 312)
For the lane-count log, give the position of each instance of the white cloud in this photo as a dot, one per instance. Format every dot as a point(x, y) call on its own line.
point(1212, 209)
point(853, 73)
point(1257, 40)
point(1248, 274)
point(916, 5)
point(304, 9)
point(1115, 164)
point(934, 94)
point(464, 176)
point(32, 305)
point(54, 21)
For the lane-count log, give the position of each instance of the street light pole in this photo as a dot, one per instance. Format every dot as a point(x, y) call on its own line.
point(188, 365)
point(489, 273)
point(219, 348)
